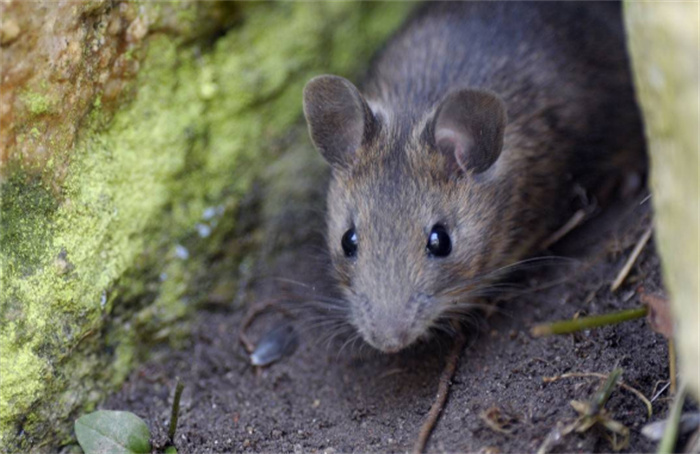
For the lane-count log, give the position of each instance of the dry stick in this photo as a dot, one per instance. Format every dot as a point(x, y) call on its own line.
point(660, 391)
point(571, 224)
point(621, 384)
point(672, 366)
point(584, 323)
point(622, 275)
point(441, 397)
point(597, 402)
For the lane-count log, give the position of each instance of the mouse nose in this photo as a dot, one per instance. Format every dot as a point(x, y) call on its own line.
point(390, 335)
point(395, 347)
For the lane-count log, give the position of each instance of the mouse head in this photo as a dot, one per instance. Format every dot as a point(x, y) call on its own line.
point(412, 211)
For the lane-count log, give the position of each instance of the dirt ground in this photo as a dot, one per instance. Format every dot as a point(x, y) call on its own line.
point(320, 399)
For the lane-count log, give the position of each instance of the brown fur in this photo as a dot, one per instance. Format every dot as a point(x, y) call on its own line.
point(570, 115)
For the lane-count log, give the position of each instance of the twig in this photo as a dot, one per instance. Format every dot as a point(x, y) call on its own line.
point(660, 391)
point(672, 366)
point(622, 275)
point(668, 442)
point(441, 397)
point(175, 410)
point(498, 421)
point(621, 384)
point(583, 323)
point(571, 224)
point(590, 413)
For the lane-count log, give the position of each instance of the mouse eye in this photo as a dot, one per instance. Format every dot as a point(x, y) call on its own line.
point(349, 243)
point(439, 243)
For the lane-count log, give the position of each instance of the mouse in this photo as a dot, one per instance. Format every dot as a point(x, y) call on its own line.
point(463, 149)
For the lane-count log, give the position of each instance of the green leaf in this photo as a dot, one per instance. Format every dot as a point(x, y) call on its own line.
point(171, 450)
point(113, 432)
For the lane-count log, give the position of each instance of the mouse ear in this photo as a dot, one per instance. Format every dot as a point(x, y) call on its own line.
point(339, 119)
point(469, 127)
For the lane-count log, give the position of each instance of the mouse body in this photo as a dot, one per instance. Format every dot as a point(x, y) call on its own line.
point(462, 152)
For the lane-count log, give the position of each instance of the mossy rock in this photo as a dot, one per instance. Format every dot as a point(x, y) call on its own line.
point(112, 200)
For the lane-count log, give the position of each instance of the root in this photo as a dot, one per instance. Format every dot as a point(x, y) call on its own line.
point(441, 397)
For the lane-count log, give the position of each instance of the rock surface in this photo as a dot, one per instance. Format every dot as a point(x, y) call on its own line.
point(130, 136)
point(663, 41)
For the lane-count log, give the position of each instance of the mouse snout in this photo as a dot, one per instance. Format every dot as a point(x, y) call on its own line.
point(391, 340)
point(389, 332)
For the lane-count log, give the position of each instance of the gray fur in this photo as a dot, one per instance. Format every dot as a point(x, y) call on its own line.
point(557, 71)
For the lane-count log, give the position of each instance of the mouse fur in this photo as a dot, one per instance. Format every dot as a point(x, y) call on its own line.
point(481, 118)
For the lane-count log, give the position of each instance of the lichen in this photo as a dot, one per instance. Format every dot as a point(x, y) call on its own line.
point(93, 265)
point(37, 103)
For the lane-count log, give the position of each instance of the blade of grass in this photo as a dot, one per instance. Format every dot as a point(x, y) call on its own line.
point(668, 442)
point(175, 410)
point(584, 323)
point(622, 275)
point(621, 384)
point(603, 394)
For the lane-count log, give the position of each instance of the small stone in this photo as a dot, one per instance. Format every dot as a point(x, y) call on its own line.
point(62, 266)
point(137, 30)
point(115, 26)
point(61, 263)
point(127, 11)
point(9, 31)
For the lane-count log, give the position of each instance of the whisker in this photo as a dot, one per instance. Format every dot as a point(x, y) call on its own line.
point(324, 324)
point(329, 337)
point(352, 339)
point(530, 263)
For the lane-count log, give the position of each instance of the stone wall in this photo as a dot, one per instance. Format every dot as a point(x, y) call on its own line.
point(130, 133)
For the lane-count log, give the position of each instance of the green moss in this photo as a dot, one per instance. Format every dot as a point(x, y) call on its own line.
point(37, 103)
point(91, 269)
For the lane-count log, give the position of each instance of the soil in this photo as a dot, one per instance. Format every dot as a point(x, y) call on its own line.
point(326, 398)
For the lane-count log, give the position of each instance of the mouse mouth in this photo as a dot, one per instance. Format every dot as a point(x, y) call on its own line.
point(393, 338)
point(389, 325)
point(393, 350)
point(388, 348)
